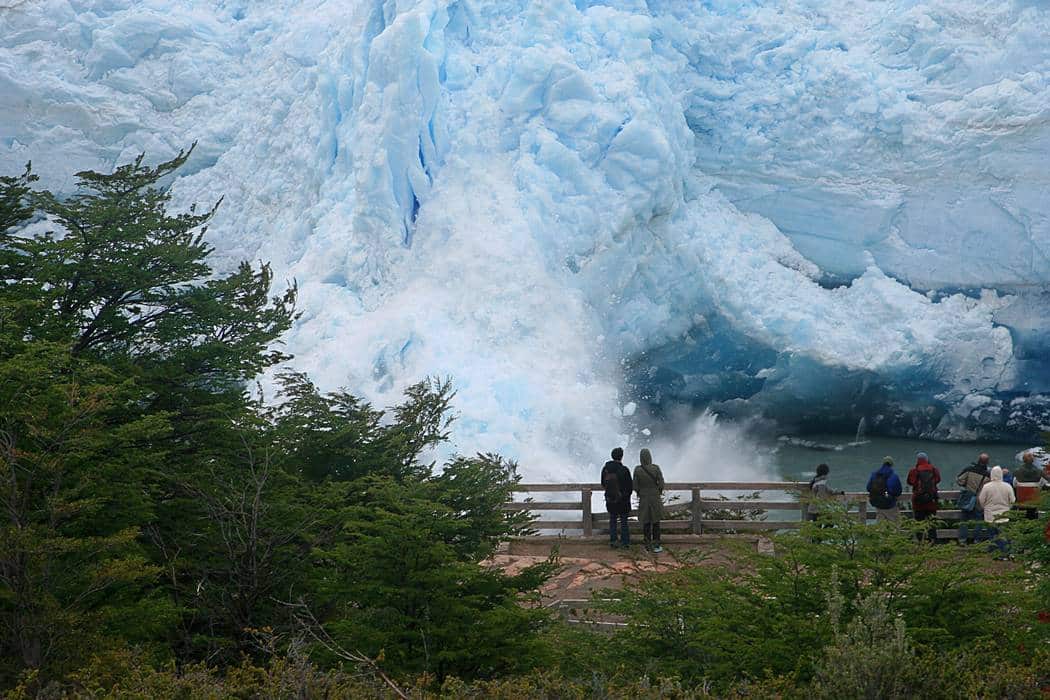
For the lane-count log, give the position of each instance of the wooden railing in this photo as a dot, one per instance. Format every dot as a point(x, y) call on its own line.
point(687, 514)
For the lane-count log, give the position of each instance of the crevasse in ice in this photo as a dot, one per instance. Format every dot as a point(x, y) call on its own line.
point(815, 210)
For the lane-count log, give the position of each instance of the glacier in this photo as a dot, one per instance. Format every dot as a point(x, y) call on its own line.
point(591, 213)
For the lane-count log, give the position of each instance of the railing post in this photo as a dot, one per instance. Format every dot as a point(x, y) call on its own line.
point(863, 509)
point(588, 519)
point(694, 507)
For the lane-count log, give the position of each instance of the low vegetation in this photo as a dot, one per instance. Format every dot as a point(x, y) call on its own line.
point(168, 532)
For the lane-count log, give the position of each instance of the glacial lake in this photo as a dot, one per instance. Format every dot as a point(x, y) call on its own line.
point(852, 462)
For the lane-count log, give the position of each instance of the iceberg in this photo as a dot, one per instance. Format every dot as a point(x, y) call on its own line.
point(589, 213)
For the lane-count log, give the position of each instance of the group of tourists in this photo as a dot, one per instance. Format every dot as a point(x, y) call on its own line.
point(986, 493)
point(618, 483)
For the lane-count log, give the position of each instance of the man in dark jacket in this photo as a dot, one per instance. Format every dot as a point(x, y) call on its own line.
point(616, 480)
point(1027, 473)
point(1026, 485)
point(884, 488)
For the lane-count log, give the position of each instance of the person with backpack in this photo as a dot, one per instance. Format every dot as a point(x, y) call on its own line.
point(884, 488)
point(649, 483)
point(923, 479)
point(971, 481)
point(618, 485)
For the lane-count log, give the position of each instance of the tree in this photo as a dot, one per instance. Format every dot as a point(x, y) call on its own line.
point(125, 365)
point(338, 436)
point(73, 577)
point(402, 580)
point(148, 499)
point(15, 201)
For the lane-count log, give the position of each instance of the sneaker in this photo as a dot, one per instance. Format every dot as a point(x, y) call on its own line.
point(657, 549)
point(614, 544)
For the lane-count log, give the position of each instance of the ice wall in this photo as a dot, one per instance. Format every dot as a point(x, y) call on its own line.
point(814, 210)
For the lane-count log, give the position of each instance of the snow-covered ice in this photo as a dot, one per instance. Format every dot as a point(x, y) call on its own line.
point(586, 211)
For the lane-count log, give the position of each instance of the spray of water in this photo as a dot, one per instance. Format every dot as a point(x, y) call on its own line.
point(691, 447)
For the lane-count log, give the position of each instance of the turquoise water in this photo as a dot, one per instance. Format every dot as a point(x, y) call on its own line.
point(852, 462)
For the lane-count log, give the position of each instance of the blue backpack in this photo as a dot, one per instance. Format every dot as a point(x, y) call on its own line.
point(967, 501)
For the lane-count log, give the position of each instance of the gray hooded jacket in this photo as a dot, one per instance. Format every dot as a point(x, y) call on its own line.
point(649, 485)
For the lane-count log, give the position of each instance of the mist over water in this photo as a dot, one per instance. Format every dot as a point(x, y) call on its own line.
point(705, 447)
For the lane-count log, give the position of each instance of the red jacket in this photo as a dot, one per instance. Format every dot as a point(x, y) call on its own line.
point(913, 481)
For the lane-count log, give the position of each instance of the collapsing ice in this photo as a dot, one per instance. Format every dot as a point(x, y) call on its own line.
point(791, 209)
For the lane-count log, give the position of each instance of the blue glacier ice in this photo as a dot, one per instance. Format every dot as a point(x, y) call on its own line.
point(816, 211)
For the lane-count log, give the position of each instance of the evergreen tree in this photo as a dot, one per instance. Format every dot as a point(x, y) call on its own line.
point(149, 500)
point(74, 579)
point(124, 364)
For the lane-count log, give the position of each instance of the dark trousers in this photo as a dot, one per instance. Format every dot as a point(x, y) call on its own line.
point(931, 533)
point(625, 532)
point(971, 533)
point(651, 532)
point(998, 544)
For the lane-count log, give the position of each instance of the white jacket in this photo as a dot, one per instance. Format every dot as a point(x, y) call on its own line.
point(996, 497)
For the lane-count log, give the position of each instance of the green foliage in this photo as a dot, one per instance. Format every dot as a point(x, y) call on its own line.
point(338, 436)
point(72, 575)
point(870, 656)
point(15, 204)
point(768, 616)
point(403, 579)
point(164, 534)
point(151, 501)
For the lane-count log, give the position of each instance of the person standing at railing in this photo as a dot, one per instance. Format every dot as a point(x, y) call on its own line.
point(996, 498)
point(819, 490)
point(618, 485)
point(1026, 485)
point(884, 488)
point(923, 479)
point(971, 481)
point(649, 483)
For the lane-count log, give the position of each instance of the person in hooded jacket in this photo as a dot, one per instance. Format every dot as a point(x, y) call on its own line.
point(649, 483)
point(884, 488)
point(996, 499)
point(618, 485)
point(923, 479)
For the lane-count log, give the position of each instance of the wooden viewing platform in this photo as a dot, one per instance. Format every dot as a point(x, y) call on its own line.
point(686, 503)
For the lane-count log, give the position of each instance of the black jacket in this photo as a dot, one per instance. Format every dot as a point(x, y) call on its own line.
point(623, 484)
